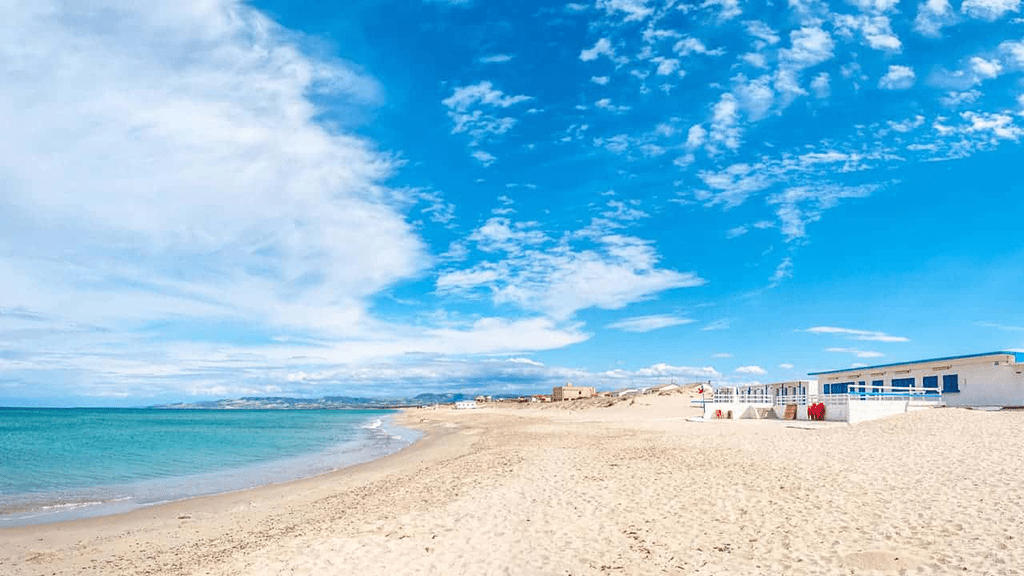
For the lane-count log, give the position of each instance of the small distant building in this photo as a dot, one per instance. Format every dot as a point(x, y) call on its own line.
point(571, 392)
point(662, 388)
point(987, 379)
point(625, 392)
point(465, 405)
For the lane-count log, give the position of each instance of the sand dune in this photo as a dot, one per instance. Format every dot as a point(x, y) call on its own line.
point(628, 489)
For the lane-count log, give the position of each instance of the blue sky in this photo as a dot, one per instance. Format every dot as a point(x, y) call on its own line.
point(205, 199)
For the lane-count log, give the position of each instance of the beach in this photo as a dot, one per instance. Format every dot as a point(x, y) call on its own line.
point(631, 488)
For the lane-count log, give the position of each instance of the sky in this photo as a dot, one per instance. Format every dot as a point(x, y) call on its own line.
point(206, 199)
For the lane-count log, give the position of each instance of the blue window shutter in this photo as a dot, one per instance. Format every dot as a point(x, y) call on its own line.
point(951, 383)
point(877, 385)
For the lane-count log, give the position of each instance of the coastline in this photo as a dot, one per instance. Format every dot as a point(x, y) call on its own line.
point(217, 512)
point(627, 489)
point(378, 437)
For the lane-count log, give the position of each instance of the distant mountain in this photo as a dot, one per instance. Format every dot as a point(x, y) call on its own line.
point(327, 402)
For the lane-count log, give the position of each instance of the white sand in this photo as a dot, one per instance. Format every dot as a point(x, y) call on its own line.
point(628, 489)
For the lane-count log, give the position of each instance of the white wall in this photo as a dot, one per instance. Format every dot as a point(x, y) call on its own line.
point(981, 381)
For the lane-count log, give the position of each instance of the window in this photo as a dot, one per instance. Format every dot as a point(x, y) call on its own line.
point(877, 385)
point(931, 384)
point(902, 383)
point(950, 383)
point(828, 389)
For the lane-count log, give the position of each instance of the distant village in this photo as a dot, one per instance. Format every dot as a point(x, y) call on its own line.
point(570, 391)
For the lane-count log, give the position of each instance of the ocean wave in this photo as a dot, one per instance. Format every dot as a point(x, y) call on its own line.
point(377, 423)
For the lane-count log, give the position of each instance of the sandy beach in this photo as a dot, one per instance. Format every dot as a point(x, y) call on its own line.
point(628, 489)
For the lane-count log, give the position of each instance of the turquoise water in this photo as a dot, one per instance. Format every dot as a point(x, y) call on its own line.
point(57, 464)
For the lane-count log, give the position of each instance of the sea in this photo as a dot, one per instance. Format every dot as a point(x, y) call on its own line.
point(63, 464)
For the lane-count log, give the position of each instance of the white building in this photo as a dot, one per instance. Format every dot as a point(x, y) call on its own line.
point(786, 392)
point(465, 405)
point(988, 379)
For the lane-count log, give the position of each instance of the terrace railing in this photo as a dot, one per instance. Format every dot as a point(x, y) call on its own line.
point(929, 395)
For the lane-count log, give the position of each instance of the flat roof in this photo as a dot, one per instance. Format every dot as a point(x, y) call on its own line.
point(1018, 356)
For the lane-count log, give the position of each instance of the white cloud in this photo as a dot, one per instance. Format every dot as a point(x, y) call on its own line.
point(496, 59)
point(661, 370)
point(786, 366)
point(897, 78)
point(465, 97)
point(856, 352)
point(689, 45)
point(666, 66)
point(721, 355)
point(908, 125)
point(722, 324)
point(727, 9)
point(990, 10)
point(736, 232)
point(756, 96)
point(600, 80)
point(634, 9)
point(725, 129)
point(955, 99)
point(783, 272)
point(649, 323)
point(606, 104)
point(696, 136)
point(755, 59)
point(469, 106)
point(800, 205)
point(875, 5)
point(985, 69)
point(501, 234)
point(485, 158)
point(765, 35)
point(933, 16)
point(216, 168)
point(997, 326)
point(822, 85)
point(854, 334)
point(557, 279)
point(809, 46)
point(876, 30)
point(602, 47)
point(1014, 53)
point(1000, 126)
point(756, 370)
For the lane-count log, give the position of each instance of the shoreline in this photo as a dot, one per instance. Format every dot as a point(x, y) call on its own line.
point(148, 511)
point(90, 502)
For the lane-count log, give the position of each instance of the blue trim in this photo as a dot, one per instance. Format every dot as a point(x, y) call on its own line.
point(1019, 357)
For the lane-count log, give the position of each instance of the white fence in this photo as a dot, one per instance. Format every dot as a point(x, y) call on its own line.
point(892, 393)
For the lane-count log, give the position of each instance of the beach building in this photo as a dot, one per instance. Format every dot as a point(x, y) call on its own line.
point(986, 379)
point(465, 405)
point(762, 400)
point(571, 392)
point(869, 392)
